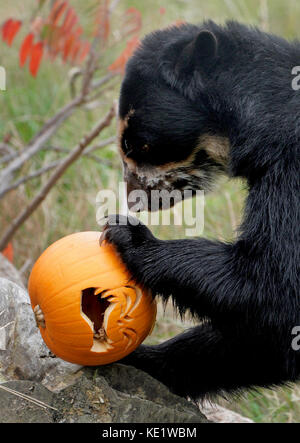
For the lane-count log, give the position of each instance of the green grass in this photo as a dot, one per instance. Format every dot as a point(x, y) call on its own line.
point(70, 207)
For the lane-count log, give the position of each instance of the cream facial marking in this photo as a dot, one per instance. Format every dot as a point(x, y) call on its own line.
point(151, 177)
point(216, 146)
point(187, 172)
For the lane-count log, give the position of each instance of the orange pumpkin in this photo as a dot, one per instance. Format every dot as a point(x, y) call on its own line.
point(87, 309)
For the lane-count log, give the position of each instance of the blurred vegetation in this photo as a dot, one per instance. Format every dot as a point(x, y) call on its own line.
point(70, 207)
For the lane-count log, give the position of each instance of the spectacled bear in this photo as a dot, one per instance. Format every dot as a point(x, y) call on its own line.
point(197, 102)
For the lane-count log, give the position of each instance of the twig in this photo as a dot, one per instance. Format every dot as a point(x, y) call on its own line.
point(7, 153)
point(9, 157)
point(74, 74)
point(27, 265)
point(50, 166)
point(91, 66)
point(29, 177)
point(101, 145)
point(39, 140)
point(71, 158)
point(89, 155)
point(102, 81)
point(94, 148)
point(6, 149)
point(33, 400)
point(100, 91)
point(101, 161)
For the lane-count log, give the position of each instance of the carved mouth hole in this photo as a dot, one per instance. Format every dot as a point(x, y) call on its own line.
point(94, 307)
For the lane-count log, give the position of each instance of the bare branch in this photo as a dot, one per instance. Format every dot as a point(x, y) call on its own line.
point(26, 266)
point(88, 153)
point(9, 157)
point(6, 149)
point(74, 74)
point(91, 66)
point(101, 161)
point(29, 177)
point(39, 140)
point(102, 81)
point(8, 153)
point(101, 145)
point(98, 93)
point(40, 197)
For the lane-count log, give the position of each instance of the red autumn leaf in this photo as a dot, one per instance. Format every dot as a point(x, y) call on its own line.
point(36, 58)
point(70, 21)
point(133, 22)
point(68, 47)
point(78, 31)
point(10, 29)
point(15, 28)
point(58, 4)
point(5, 28)
point(26, 47)
point(8, 252)
point(119, 65)
point(61, 35)
point(59, 13)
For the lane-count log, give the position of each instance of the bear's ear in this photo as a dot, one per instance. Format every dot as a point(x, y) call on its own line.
point(199, 54)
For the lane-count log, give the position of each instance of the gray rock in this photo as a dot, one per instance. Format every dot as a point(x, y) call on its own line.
point(15, 409)
point(111, 394)
point(150, 400)
point(23, 353)
point(8, 271)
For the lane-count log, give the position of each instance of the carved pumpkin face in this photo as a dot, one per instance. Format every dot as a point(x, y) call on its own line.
point(87, 309)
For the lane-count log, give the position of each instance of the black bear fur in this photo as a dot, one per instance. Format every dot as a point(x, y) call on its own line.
point(231, 86)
